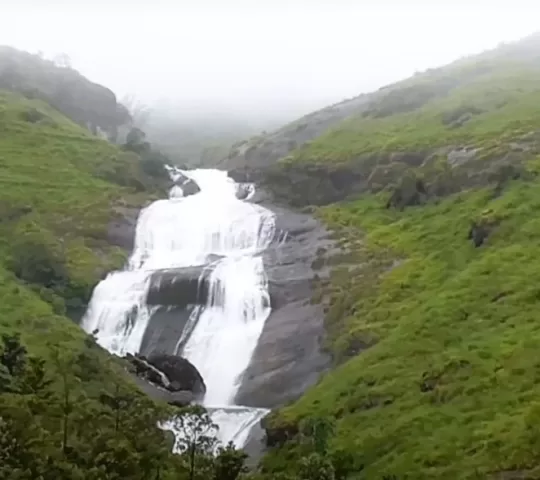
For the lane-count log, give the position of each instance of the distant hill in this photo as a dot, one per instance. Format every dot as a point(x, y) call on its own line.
point(463, 94)
point(86, 103)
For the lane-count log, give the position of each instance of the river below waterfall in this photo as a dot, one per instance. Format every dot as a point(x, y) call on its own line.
point(216, 229)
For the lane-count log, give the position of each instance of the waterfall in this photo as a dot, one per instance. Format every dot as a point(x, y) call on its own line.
point(183, 232)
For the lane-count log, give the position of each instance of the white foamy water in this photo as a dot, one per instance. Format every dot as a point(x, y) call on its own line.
point(180, 232)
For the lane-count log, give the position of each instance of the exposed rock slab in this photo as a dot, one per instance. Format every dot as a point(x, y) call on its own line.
point(288, 358)
point(179, 287)
point(165, 330)
point(121, 230)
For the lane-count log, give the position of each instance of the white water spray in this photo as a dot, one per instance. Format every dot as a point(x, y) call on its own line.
point(182, 232)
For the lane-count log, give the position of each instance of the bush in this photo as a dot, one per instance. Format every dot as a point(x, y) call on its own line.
point(37, 257)
point(153, 164)
point(410, 191)
point(33, 115)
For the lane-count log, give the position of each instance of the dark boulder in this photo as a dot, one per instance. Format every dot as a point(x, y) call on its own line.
point(190, 188)
point(244, 190)
point(188, 185)
point(180, 372)
point(167, 378)
point(143, 369)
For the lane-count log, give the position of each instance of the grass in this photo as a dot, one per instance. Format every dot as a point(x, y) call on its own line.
point(59, 186)
point(451, 387)
point(434, 340)
point(487, 105)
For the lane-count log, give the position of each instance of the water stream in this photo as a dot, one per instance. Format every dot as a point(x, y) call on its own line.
point(189, 231)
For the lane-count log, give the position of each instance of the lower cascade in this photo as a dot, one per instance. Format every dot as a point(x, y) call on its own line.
point(227, 235)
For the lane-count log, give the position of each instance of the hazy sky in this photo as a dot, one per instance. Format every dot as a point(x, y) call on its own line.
point(259, 55)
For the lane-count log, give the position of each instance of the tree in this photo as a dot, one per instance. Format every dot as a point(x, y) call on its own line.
point(229, 463)
point(35, 379)
point(5, 380)
point(140, 113)
point(136, 141)
point(195, 435)
point(63, 365)
point(318, 431)
point(13, 355)
point(118, 402)
point(37, 256)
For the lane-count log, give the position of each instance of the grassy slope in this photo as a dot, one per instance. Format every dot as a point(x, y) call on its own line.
point(498, 100)
point(449, 387)
point(58, 184)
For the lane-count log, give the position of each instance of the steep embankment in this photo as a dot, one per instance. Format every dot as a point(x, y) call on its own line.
point(61, 190)
point(430, 308)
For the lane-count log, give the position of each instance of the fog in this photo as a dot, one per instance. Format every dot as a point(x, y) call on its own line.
point(263, 58)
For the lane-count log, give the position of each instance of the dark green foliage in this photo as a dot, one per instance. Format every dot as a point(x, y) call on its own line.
point(53, 429)
point(410, 191)
point(318, 430)
point(198, 438)
point(229, 463)
point(457, 116)
point(316, 467)
point(13, 354)
point(152, 161)
point(33, 115)
point(136, 141)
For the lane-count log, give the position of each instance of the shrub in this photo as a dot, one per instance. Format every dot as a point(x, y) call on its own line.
point(37, 257)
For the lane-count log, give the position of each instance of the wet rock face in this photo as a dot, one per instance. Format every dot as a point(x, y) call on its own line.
point(168, 377)
point(121, 230)
point(288, 358)
point(179, 287)
point(165, 330)
point(301, 185)
point(188, 185)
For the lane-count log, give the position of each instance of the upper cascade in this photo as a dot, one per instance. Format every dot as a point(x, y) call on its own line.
point(214, 228)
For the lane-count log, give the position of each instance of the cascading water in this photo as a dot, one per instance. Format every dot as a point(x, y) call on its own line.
point(182, 232)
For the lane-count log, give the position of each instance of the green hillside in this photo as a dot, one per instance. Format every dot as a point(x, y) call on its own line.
point(58, 188)
point(59, 185)
point(432, 306)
